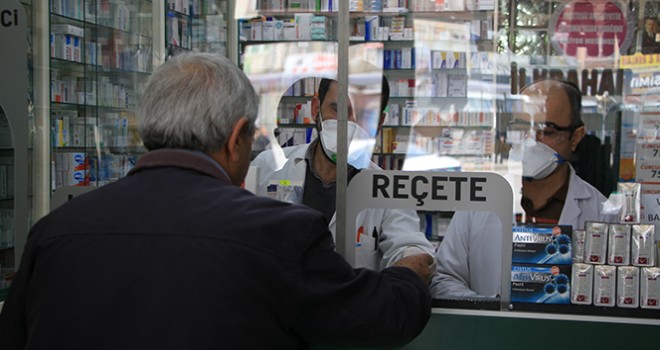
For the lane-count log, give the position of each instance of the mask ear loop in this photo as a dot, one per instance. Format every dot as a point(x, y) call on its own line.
point(319, 116)
point(319, 122)
point(319, 128)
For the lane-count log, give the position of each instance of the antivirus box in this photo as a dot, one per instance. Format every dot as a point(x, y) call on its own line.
point(542, 245)
point(540, 284)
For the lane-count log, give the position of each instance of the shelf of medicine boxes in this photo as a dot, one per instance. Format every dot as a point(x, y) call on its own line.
point(478, 44)
point(186, 32)
point(481, 44)
point(446, 15)
point(6, 213)
point(178, 32)
point(289, 14)
point(436, 138)
point(6, 193)
point(138, 31)
point(98, 87)
point(454, 15)
point(61, 64)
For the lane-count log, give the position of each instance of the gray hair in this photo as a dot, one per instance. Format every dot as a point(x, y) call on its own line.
point(193, 100)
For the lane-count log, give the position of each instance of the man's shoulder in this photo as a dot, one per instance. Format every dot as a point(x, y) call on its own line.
point(582, 188)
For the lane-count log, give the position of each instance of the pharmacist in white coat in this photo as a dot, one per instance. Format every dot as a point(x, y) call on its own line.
point(306, 174)
point(469, 259)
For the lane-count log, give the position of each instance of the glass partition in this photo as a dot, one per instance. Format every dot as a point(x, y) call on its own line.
point(464, 95)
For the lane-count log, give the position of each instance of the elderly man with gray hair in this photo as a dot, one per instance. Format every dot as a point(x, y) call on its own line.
point(177, 256)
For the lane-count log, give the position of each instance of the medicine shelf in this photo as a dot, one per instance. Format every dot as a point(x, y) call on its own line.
point(419, 154)
point(453, 15)
point(290, 13)
point(101, 89)
point(81, 67)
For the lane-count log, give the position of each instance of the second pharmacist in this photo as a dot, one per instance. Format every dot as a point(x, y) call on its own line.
point(549, 124)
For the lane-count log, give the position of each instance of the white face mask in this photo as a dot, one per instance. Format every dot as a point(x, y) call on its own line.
point(538, 159)
point(360, 144)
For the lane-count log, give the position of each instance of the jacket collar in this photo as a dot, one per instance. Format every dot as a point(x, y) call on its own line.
point(179, 158)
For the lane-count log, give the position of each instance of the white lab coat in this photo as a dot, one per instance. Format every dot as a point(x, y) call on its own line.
point(470, 256)
point(398, 229)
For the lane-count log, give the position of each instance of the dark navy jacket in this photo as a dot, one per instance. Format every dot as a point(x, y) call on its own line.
point(175, 257)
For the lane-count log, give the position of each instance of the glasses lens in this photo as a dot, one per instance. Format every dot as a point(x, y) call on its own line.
point(551, 131)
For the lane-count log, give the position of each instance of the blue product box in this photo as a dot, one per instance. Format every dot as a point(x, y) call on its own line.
point(387, 59)
point(540, 244)
point(397, 59)
point(541, 284)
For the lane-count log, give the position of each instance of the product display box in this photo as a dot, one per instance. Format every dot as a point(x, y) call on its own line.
point(541, 284)
point(542, 244)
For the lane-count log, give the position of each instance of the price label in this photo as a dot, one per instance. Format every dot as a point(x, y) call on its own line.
point(650, 204)
point(647, 160)
point(648, 172)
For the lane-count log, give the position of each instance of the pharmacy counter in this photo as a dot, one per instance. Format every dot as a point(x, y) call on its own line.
point(456, 329)
point(492, 330)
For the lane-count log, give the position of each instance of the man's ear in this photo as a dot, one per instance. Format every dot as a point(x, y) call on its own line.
point(577, 136)
point(237, 140)
point(316, 107)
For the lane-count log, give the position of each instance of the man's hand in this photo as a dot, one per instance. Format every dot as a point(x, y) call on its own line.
point(422, 264)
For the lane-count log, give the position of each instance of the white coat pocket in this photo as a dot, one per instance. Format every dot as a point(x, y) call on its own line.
point(366, 250)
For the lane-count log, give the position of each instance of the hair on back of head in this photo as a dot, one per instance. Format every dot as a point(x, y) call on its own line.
point(193, 101)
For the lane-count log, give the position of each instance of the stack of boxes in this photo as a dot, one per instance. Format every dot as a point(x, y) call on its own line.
point(6, 228)
point(70, 169)
point(452, 5)
point(69, 8)
point(541, 264)
point(66, 41)
point(616, 266)
point(606, 265)
point(331, 5)
point(304, 26)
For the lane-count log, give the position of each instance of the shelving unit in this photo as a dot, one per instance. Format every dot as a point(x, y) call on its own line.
point(199, 25)
point(7, 239)
point(100, 53)
point(429, 55)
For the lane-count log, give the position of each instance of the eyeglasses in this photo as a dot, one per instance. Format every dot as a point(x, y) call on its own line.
point(552, 130)
point(541, 131)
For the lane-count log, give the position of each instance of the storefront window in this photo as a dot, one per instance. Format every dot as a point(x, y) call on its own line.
point(464, 98)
